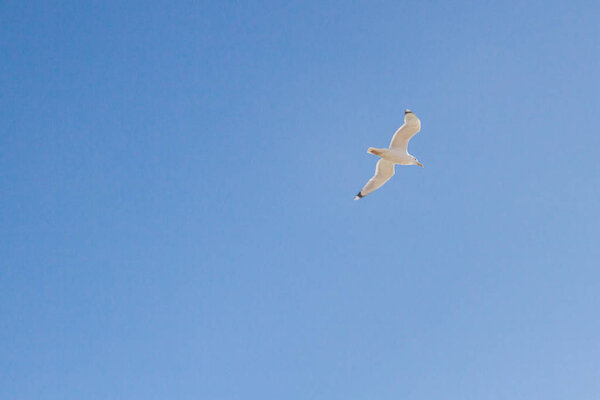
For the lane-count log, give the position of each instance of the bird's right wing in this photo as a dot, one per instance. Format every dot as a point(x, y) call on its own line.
point(411, 126)
point(383, 172)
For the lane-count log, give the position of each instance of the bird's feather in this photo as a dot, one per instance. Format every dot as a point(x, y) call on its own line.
point(383, 172)
point(411, 126)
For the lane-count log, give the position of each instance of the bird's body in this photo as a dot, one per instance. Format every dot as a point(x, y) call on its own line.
point(393, 155)
point(397, 153)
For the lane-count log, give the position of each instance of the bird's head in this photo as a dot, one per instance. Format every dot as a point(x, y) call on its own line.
point(416, 162)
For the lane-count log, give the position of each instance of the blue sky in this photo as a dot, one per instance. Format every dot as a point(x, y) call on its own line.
point(177, 217)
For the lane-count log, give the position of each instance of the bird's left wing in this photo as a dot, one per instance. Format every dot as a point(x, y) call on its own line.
point(383, 172)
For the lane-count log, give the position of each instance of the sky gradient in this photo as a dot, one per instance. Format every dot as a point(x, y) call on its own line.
point(177, 216)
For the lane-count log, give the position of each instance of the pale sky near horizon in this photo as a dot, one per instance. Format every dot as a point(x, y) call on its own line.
point(177, 214)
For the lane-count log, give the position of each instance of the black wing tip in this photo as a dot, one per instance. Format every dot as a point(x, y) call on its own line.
point(408, 112)
point(359, 196)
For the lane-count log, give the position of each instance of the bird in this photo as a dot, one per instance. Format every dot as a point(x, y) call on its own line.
point(397, 153)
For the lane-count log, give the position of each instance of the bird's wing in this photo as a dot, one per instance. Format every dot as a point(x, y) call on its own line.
point(411, 126)
point(383, 172)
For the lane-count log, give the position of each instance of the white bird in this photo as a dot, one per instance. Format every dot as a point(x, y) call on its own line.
point(396, 154)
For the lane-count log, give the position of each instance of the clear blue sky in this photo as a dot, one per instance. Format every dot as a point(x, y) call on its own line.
point(177, 215)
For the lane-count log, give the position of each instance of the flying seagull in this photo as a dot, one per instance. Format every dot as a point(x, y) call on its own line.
point(396, 154)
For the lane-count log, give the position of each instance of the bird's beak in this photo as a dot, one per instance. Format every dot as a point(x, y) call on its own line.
point(419, 164)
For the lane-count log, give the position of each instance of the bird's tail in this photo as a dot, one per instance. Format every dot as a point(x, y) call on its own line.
point(373, 150)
